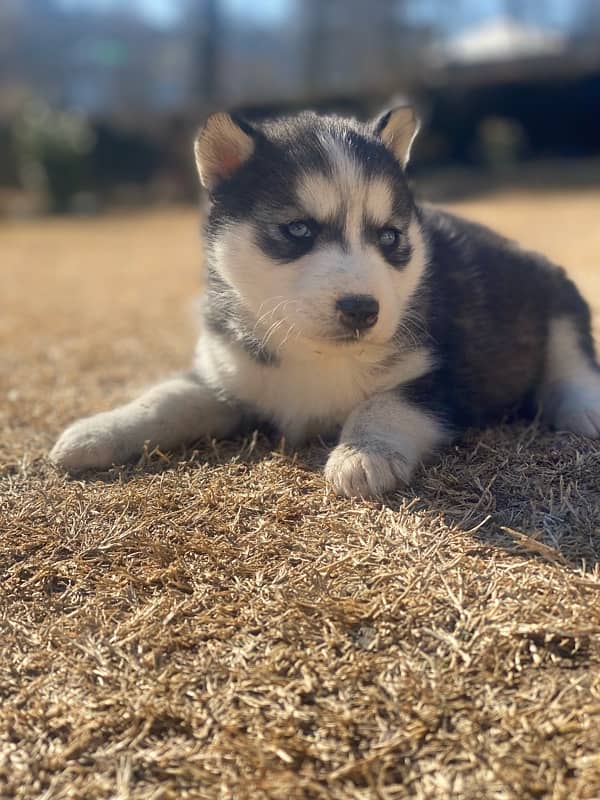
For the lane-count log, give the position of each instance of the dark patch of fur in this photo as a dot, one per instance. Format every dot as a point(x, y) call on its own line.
point(488, 309)
point(275, 244)
point(397, 256)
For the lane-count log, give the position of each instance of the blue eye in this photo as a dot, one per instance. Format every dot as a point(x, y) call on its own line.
point(388, 237)
point(298, 229)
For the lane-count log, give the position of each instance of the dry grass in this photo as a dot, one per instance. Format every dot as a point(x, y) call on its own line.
point(213, 624)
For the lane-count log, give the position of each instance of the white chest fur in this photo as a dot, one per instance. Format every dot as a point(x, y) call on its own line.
point(306, 393)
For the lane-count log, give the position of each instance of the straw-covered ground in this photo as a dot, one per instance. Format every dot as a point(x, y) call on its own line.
point(212, 623)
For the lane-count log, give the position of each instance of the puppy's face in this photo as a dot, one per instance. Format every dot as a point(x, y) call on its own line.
point(313, 226)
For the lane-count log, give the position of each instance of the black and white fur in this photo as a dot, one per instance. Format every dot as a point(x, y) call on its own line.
point(334, 303)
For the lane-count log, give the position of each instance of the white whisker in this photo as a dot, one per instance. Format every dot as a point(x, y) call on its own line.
point(274, 327)
point(287, 336)
point(283, 305)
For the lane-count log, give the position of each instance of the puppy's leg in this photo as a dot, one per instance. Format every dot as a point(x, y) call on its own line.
point(381, 443)
point(179, 410)
point(570, 393)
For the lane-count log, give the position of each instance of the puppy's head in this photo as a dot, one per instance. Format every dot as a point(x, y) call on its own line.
point(312, 223)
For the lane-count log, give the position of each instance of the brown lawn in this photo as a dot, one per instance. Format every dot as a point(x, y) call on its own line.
point(214, 624)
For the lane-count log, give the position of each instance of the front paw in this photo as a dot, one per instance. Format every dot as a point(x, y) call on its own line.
point(89, 443)
point(365, 472)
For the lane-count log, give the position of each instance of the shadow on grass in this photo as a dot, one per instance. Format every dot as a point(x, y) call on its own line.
point(522, 489)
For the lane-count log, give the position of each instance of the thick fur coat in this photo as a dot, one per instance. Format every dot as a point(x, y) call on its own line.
point(335, 305)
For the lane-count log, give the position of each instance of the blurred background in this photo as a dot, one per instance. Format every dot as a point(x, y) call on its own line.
point(100, 99)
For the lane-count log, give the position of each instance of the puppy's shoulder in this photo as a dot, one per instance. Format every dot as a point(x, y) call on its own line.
point(450, 233)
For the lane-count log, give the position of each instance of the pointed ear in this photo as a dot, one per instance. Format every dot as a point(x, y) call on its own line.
point(397, 130)
point(221, 147)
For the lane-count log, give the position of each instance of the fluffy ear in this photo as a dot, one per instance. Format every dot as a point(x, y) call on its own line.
point(222, 146)
point(397, 130)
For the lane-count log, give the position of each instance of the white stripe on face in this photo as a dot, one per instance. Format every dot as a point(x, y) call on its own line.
point(346, 192)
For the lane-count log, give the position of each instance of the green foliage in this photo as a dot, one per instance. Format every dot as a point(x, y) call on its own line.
point(51, 148)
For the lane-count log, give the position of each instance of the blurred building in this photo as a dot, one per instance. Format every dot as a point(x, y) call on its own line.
point(110, 60)
point(519, 80)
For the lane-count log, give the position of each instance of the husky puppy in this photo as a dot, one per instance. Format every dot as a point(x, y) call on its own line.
point(335, 304)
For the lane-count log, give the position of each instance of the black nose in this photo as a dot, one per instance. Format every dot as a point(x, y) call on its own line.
point(358, 311)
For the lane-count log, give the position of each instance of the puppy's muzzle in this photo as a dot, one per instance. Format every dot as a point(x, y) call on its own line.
point(357, 312)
